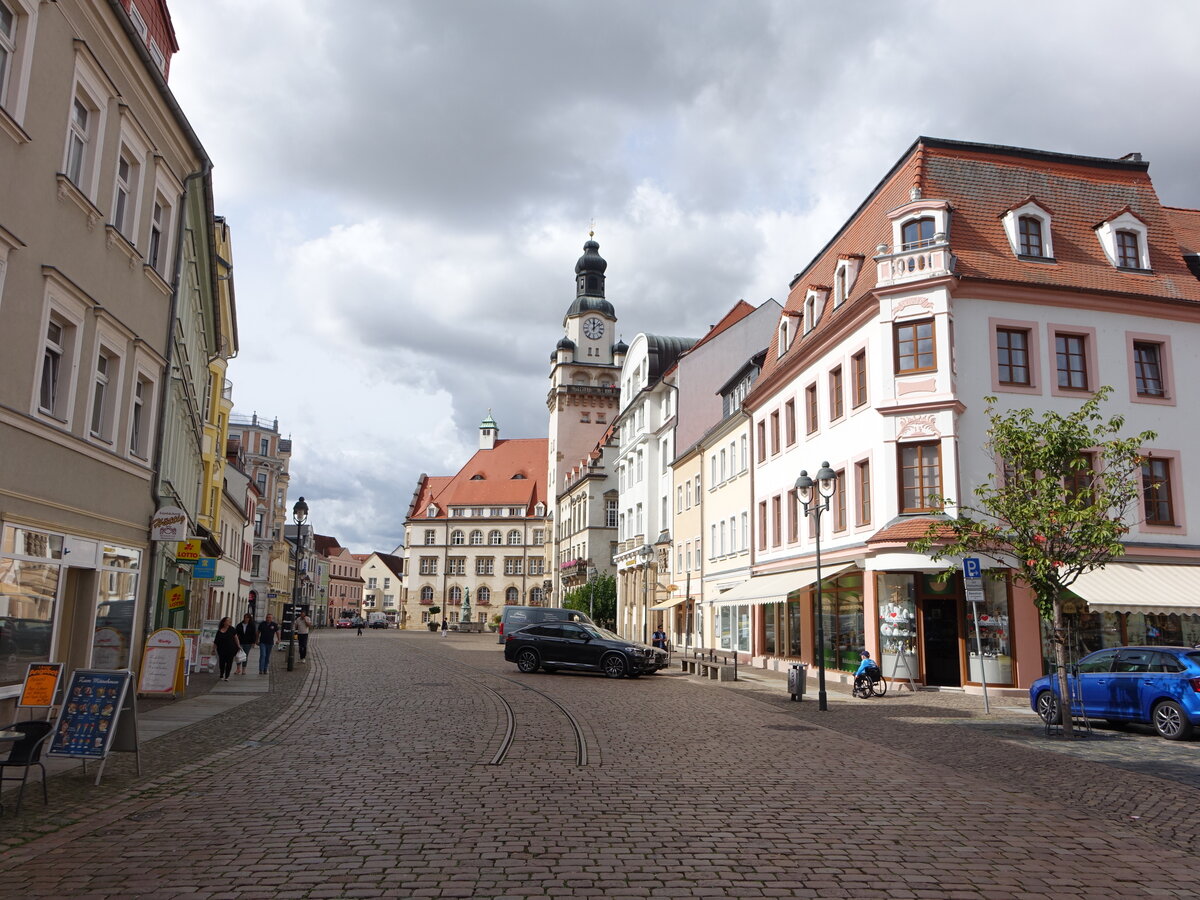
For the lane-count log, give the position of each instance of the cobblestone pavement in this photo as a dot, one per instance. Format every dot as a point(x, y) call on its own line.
point(377, 771)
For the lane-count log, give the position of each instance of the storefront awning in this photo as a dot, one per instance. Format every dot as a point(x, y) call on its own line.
point(667, 604)
point(775, 588)
point(1141, 588)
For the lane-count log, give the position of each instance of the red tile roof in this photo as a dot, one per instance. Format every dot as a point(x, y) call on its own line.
point(903, 531)
point(513, 473)
point(737, 312)
point(981, 183)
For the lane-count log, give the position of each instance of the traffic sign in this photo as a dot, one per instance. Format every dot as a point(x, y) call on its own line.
point(971, 567)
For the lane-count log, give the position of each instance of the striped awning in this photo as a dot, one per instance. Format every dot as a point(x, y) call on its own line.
point(1141, 588)
point(775, 588)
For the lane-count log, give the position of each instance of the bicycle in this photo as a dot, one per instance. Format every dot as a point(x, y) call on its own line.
point(870, 683)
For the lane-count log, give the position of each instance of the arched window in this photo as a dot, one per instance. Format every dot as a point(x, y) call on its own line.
point(514, 537)
point(512, 595)
point(917, 233)
point(484, 596)
point(427, 594)
point(476, 538)
point(535, 597)
point(495, 538)
point(457, 537)
point(456, 595)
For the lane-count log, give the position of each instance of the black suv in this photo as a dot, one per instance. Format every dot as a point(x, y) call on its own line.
point(582, 646)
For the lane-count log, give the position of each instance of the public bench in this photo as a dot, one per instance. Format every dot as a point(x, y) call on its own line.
point(709, 664)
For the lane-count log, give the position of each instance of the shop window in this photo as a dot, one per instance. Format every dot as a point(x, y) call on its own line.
point(844, 622)
point(898, 627)
point(995, 636)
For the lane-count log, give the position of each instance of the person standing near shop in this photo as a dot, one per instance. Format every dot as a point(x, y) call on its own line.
point(268, 630)
point(302, 624)
point(247, 633)
point(225, 642)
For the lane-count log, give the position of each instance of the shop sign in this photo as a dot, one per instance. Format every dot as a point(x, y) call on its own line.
point(175, 597)
point(218, 581)
point(162, 663)
point(168, 524)
point(205, 567)
point(187, 551)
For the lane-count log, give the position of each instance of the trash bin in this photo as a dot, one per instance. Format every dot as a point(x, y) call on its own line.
point(797, 678)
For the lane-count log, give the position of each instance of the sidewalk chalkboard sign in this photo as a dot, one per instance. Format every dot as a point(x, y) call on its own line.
point(91, 722)
point(41, 684)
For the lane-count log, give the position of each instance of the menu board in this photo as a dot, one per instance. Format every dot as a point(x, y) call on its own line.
point(91, 709)
point(162, 663)
point(41, 684)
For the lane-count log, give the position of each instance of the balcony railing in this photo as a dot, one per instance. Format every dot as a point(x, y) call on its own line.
point(929, 259)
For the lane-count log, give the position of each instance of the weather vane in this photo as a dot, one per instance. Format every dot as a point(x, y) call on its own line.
point(592, 228)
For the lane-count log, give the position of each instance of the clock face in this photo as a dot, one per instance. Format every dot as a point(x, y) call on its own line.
point(593, 328)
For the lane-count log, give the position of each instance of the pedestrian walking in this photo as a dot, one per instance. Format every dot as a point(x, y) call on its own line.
point(445, 628)
point(659, 638)
point(302, 624)
point(247, 634)
point(226, 645)
point(268, 630)
point(358, 623)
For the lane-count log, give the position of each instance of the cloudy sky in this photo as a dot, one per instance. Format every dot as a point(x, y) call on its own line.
point(410, 182)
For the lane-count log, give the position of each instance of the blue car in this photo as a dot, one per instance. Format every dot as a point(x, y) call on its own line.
point(1157, 686)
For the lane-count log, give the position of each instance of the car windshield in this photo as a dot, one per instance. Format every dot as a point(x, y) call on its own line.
point(599, 632)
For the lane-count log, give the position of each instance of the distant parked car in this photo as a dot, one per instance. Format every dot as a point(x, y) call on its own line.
point(379, 623)
point(344, 623)
point(581, 646)
point(1157, 686)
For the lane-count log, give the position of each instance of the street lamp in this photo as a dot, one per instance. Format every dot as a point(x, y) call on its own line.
point(299, 516)
point(826, 485)
point(591, 577)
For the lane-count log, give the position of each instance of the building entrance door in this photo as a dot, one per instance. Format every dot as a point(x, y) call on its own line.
point(939, 626)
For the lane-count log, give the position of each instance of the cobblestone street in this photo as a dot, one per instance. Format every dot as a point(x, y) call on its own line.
point(380, 770)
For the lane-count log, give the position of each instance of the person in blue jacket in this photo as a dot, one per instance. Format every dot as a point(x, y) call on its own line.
point(863, 674)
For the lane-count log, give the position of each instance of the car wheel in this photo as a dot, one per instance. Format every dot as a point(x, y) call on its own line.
point(1047, 707)
point(1170, 721)
point(613, 665)
point(527, 661)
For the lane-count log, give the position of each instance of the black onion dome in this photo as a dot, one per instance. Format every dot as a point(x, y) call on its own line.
point(620, 347)
point(589, 284)
point(591, 261)
point(566, 344)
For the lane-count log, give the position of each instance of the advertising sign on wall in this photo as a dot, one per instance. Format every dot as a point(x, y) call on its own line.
point(205, 567)
point(168, 524)
point(187, 551)
point(175, 597)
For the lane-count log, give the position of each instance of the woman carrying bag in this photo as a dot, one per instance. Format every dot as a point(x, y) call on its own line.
point(227, 645)
point(247, 632)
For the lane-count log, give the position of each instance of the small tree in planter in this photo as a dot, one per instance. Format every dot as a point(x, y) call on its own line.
point(494, 624)
point(433, 611)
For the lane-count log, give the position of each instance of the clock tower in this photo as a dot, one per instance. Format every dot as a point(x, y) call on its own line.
point(585, 370)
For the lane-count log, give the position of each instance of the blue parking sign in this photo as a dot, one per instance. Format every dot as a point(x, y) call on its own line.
point(971, 567)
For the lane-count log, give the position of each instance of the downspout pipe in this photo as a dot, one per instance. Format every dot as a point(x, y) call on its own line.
point(203, 174)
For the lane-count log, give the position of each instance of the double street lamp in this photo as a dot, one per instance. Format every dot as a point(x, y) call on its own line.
point(299, 516)
point(826, 484)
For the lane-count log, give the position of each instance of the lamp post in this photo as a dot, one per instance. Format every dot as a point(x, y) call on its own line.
point(591, 576)
point(826, 485)
point(647, 555)
point(299, 516)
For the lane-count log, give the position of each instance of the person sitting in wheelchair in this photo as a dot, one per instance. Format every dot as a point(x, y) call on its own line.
point(866, 673)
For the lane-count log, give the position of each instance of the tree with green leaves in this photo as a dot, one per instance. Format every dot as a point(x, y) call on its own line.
point(1065, 490)
point(604, 597)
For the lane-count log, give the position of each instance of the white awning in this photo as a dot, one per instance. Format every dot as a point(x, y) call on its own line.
point(775, 588)
point(1141, 588)
point(667, 604)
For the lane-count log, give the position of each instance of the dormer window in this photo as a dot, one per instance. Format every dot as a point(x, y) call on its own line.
point(844, 277)
point(1028, 230)
point(1125, 241)
point(814, 305)
point(785, 334)
point(431, 511)
point(1128, 254)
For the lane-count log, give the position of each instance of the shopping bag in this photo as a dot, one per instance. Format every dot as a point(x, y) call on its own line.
point(241, 657)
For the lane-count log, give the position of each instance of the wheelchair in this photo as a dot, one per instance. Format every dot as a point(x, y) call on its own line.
point(870, 683)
